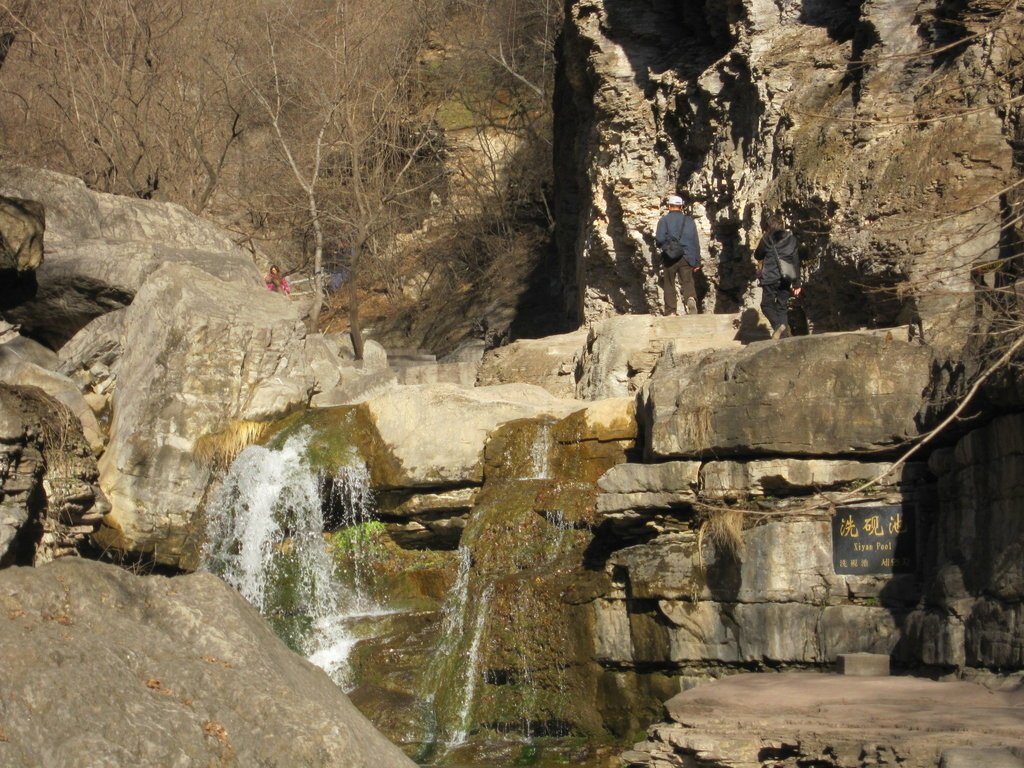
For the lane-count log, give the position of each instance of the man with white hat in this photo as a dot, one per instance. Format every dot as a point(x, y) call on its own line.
point(679, 247)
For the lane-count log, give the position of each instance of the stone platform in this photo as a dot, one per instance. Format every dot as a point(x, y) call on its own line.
point(790, 719)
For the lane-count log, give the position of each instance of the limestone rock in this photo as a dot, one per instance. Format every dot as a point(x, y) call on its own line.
point(621, 352)
point(22, 225)
point(783, 477)
point(973, 570)
point(744, 719)
point(548, 363)
point(748, 107)
point(781, 561)
point(199, 354)
point(802, 396)
point(101, 248)
point(646, 486)
point(191, 675)
point(49, 499)
point(433, 435)
point(15, 369)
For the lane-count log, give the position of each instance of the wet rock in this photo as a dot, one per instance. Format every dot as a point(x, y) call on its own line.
point(429, 436)
point(192, 675)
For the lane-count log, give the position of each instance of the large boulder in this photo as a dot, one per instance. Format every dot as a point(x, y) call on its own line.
point(102, 667)
point(620, 352)
point(101, 248)
point(812, 396)
point(200, 355)
point(49, 500)
point(549, 362)
point(433, 435)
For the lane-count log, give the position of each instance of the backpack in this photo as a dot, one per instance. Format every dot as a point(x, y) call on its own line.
point(789, 271)
point(673, 250)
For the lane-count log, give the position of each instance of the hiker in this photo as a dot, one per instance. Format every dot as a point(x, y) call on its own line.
point(778, 269)
point(277, 282)
point(679, 248)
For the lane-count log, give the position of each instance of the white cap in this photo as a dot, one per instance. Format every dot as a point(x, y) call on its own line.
point(675, 200)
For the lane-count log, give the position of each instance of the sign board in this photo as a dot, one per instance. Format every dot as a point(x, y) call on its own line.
point(873, 540)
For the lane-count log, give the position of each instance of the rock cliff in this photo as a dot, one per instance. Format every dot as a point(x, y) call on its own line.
point(885, 132)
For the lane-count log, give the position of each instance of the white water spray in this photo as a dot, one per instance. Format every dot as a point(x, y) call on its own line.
point(265, 538)
point(461, 731)
point(540, 453)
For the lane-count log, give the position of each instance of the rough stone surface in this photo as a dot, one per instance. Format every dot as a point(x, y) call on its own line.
point(49, 499)
point(750, 106)
point(645, 486)
point(22, 226)
point(199, 354)
point(433, 435)
point(105, 668)
point(733, 479)
point(862, 664)
point(973, 614)
point(803, 396)
point(621, 352)
point(16, 369)
point(101, 248)
point(794, 719)
point(548, 363)
point(974, 757)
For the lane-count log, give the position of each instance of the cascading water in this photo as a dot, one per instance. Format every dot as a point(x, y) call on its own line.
point(540, 453)
point(265, 538)
point(472, 672)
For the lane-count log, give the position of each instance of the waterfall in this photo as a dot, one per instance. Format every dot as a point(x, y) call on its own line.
point(458, 735)
point(540, 453)
point(265, 538)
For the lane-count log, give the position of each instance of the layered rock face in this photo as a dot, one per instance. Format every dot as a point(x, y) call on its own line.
point(885, 144)
point(973, 612)
point(125, 670)
point(49, 499)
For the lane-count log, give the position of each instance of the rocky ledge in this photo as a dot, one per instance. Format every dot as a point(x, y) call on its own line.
point(833, 721)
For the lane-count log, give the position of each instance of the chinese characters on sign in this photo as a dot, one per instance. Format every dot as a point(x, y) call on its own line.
point(873, 540)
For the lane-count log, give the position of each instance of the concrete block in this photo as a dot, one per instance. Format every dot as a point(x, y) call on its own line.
point(863, 664)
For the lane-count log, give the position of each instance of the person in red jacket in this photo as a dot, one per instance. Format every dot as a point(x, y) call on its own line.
point(277, 282)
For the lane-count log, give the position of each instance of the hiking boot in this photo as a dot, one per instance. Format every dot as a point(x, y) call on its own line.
point(780, 332)
point(691, 306)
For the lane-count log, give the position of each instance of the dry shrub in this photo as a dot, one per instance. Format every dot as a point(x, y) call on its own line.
point(220, 448)
point(724, 528)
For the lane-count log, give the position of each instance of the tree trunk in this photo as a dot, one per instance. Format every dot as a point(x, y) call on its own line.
point(353, 316)
point(318, 268)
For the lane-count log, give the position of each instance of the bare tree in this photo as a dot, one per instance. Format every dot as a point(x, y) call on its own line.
point(130, 96)
point(346, 127)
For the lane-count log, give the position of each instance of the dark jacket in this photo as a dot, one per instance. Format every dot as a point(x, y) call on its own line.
point(780, 244)
point(676, 225)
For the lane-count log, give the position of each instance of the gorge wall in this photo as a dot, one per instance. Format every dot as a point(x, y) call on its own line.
point(887, 132)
